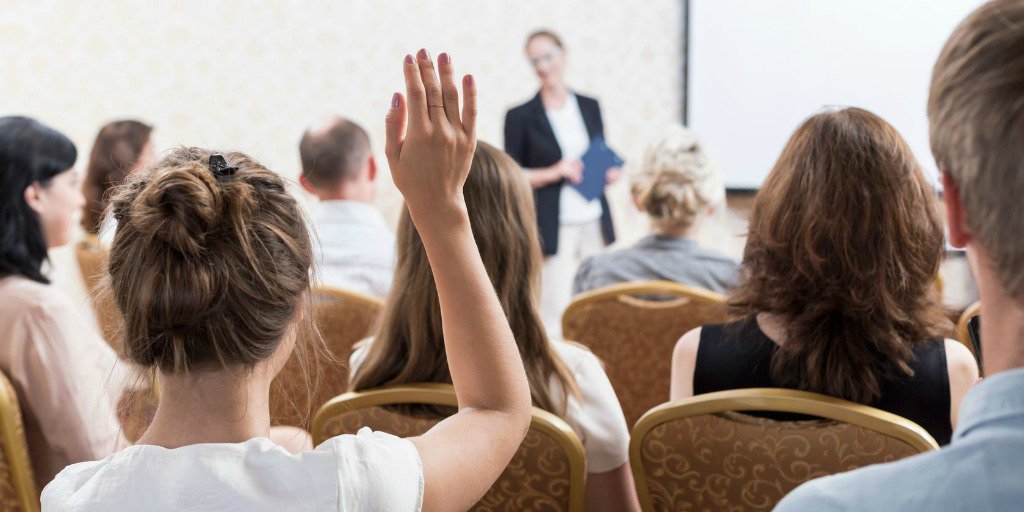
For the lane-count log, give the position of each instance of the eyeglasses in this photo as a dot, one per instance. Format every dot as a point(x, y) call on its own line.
point(547, 58)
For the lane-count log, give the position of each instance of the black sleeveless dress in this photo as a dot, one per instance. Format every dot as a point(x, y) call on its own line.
point(738, 355)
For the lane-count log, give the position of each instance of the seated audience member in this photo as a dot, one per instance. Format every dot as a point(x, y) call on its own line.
point(211, 265)
point(838, 283)
point(677, 186)
point(977, 128)
point(120, 149)
point(565, 378)
point(67, 378)
point(354, 248)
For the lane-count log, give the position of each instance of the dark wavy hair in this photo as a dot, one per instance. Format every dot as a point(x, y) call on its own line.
point(30, 152)
point(845, 244)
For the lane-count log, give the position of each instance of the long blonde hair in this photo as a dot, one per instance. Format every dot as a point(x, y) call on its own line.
point(409, 346)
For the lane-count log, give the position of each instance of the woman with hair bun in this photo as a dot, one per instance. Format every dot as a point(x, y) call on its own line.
point(211, 267)
point(678, 187)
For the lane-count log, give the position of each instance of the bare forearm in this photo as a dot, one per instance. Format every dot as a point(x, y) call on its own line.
point(484, 360)
point(542, 176)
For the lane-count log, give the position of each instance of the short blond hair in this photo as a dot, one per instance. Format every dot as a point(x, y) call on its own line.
point(976, 116)
point(676, 180)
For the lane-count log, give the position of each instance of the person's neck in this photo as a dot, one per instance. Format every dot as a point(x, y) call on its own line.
point(674, 232)
point(358, 192)
point(554, 95)
point(225, 406)
point(1001, 326)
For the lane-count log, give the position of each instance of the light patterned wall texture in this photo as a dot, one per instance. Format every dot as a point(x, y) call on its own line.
point(253, 75)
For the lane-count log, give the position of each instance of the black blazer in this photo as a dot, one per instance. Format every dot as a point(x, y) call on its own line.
point(531, 142)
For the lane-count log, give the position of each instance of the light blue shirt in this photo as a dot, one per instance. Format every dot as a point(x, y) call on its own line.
point(981, 469)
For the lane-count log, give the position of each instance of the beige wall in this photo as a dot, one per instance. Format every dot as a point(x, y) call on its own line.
point(252, 75)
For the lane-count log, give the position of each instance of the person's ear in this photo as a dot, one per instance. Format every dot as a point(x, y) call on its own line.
point(34, 197)
point(306, 185)
point(371, 173)
point(959, 234)
point(636, 203)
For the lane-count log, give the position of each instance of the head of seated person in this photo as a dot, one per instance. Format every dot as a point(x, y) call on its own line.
point(337, 162)
point(678, 187)
point(677, 184)
point(565, 378)
point(121, 148)
point(837, 286)
point(211, 273)
point(354, 248)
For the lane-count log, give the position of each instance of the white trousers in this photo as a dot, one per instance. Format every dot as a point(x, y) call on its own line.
point(575, 242)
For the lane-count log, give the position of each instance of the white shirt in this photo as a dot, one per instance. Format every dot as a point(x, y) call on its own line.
point(597, 419)
point(573, 140)
point(354, 248)
point(366, 472)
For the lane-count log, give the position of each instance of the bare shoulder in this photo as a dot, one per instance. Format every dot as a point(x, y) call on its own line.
point(688, 344)
point(961, 363)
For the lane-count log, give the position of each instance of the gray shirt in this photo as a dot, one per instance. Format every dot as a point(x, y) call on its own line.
point(659, 258)
point(982, 469)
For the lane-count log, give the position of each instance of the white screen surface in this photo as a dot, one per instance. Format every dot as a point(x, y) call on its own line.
point(758, 68)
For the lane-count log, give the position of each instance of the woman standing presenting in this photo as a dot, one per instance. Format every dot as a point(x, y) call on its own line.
point(547, 136)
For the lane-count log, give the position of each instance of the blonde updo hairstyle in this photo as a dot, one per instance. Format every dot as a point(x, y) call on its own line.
point(676, 181)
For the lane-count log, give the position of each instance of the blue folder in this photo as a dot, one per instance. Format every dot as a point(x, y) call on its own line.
point(596, 162)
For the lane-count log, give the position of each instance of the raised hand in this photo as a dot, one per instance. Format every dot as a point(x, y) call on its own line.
point(429, 144)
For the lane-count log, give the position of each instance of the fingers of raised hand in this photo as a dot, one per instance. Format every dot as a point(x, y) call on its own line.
point(469, 107)
point(395, 129)
point(432, 87)
point(417, 107)
point(449, 91)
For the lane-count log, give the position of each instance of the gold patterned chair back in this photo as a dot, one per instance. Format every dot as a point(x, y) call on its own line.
point(961, 326)
point(548, 473)
point(17, 484)
point(633, 332)
point(343, 318)
point(708, 453)
point(91, 256)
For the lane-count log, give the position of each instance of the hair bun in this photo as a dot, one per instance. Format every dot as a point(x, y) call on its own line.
point(179, 206)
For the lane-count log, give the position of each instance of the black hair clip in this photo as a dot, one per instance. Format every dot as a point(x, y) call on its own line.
point(219, 166)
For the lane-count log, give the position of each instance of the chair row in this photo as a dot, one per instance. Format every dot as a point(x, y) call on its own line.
point(713, 451)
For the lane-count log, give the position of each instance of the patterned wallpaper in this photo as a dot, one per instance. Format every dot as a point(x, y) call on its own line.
point(253, 75)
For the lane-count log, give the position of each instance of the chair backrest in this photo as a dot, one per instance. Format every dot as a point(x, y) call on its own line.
point(548, 472)
point(17, 484)
point(706, 453)
point(343, 318)
point(634, 333)
point(91, 255)
point(961, 326)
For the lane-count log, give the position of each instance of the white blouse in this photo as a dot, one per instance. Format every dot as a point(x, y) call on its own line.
point(573, 140)
point(366, 472)
point(597, 419)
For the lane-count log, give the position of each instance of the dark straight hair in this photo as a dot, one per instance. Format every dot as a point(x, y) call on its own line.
point(30, 152)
